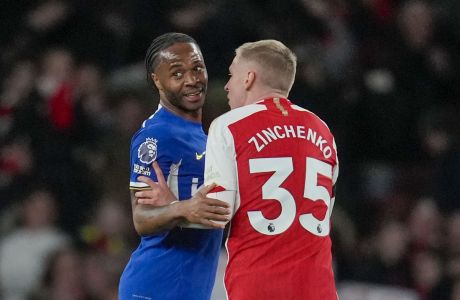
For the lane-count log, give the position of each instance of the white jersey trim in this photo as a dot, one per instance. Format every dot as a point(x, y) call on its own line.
point(173, 178)
point(159, 107)
point(138, 184)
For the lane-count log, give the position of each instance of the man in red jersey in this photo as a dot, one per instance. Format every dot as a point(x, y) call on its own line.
point(276, 164)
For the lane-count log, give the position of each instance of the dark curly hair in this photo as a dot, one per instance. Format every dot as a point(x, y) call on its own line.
point(161, 43)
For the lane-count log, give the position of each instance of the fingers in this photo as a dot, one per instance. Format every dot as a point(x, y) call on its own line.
point(159, 173)
point(142, 194)
point(217, 210)
point(213, 224)
point(200, 195)
point(216, 203)
point(217, 218)
point(150, 197)
point(212, 213)
point(153, 194)
point(207, 212)
point(206, 188)
point(152, 184)
point(148, 201)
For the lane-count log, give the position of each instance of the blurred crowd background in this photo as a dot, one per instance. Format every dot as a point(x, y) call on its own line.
point(384, 75)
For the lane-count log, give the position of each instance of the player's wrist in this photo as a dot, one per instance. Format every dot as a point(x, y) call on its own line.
point(179, 211)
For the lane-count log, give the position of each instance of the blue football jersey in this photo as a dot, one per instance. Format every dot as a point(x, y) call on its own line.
point(180, 263)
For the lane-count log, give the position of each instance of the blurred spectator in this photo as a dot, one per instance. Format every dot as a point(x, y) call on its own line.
point(16, 167)
point(344, 235)
point(365, 291)
point(63, 278)
point(426, 272)
point(216, 30)
point(93, 120)
point(384, 74)
point(55, 139)
point(451, 279)
point(425, 226)
point(77, 274)
point(24, 251)
point(128, 112)
point(56, 84)
point(386, 260)
point(109, 231)
point(16, 89)
point(439, 133)
point(17, 118)
point(101, 274)
point(453, 235)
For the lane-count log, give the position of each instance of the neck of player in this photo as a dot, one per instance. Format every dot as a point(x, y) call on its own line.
point(190, 115)
point(256, 97)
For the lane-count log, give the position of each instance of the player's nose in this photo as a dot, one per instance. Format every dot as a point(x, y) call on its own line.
point(191, 78)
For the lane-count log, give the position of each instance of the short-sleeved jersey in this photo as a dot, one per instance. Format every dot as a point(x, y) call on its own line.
point(281, 162)
point(180, 263)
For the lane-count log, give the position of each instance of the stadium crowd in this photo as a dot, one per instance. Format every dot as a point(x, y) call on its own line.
point(384, 74)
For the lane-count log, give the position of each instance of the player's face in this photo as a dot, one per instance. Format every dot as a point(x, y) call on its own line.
point(236, 87)
point(182, 79)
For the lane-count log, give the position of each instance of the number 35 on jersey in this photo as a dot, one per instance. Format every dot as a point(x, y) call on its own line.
point(282, 168)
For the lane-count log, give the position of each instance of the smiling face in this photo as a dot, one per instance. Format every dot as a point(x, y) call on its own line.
point(182, 80)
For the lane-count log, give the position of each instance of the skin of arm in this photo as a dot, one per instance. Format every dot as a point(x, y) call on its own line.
point(155, 211)
point(150, 219)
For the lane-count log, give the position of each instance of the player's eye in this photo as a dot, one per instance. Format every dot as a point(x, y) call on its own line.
point(199, 69)
point(178, 75)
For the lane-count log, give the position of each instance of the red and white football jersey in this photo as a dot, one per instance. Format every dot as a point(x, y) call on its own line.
point(276, 163)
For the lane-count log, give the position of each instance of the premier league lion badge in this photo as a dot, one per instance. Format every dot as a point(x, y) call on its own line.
point(147, 151)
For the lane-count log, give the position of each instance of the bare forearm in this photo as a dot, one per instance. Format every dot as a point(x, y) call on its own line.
point(151, 220)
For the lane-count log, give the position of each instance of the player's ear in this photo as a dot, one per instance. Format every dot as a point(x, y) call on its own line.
point(250, 79)
point(156, 81)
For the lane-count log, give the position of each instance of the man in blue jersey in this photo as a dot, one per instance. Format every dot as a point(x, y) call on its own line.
point(173, 261)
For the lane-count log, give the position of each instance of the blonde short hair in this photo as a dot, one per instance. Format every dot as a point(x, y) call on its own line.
point(278, 63)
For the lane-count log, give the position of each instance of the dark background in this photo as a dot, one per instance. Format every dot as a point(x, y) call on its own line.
point(383, 74)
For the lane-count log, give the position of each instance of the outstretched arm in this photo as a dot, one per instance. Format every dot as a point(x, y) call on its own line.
point(166, 213)
point(149, 219)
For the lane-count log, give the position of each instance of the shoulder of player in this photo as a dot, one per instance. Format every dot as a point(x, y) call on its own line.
point(238, 114)
point(155, 132)
point(312, 114)
point(299, 108)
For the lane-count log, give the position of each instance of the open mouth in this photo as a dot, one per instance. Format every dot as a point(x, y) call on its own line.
point(194, 95)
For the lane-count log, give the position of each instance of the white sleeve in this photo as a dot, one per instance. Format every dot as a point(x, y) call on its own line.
point(335, 172)
point(335, 175)
point(220, 164)
point(220, 167)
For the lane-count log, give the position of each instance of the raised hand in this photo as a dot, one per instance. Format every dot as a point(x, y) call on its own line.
point(210, 212)
point(159, 193)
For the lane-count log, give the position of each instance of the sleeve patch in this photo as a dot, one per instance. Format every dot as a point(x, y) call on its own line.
point(142, 170)
point(147, 151)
